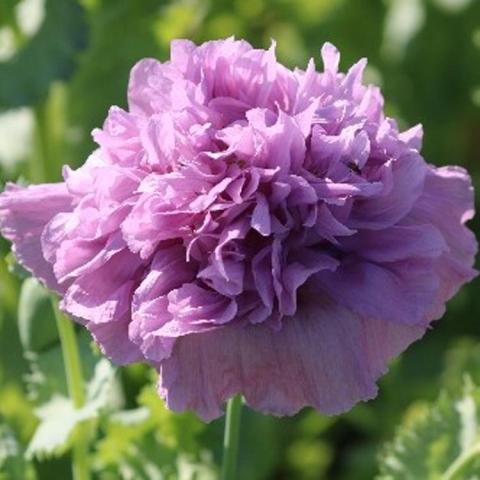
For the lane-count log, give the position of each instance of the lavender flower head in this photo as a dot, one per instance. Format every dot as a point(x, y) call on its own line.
point(246, 228)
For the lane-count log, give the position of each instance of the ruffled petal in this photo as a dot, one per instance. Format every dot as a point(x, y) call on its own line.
point(24, 214)
point(155, 87)
point(104, 295)
point(408, 174)
point(399, 242)
point(448, 203)
point(325, 357)
point(196, 309)
point(400, 292)
point(168, 271)
point(114, 341)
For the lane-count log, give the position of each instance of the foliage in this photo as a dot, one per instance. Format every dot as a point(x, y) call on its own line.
point(58, 417)
point(33, 307)
point(438, 442)
point(65, 75)
point(12, 462)
point(48, 55)
point(151, 442)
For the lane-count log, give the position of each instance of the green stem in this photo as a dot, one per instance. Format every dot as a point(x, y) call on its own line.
point(39, 157)
point(461, 463)
point(9, 290)
point(231, 437)
point(11, 21)
point(75, 383)
point(48, 154)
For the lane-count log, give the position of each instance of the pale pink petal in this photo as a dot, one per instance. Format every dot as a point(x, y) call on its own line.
point(400, 292)
point(311, 361)
point(24, 213)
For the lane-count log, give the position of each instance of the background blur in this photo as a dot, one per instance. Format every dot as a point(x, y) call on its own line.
point(62, 64)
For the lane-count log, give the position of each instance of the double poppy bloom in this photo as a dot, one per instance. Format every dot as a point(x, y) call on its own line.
point(245, 228)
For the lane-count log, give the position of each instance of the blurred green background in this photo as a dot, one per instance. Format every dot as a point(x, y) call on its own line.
point(62, 64)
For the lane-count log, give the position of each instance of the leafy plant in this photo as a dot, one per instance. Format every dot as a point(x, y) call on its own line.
point(67, 74)
point(13, 465)
point(50, 54)
point(152, 442)
point(59, 417)
point(439, 442)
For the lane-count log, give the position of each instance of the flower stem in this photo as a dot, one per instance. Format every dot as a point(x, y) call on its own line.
point(75, 383)
point(461, 463)
point(39, 157)
point(231, 437)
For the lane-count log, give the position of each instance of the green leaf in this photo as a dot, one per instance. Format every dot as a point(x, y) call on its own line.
point(12, 462)
point(46, 375)
point(14, 267)
point(58, 417)
point(441, 442)
point(152, 442)
point(17, 411)
point(463, 356)
point(189, 469)
point(177, 430)
point(7, 11)
point(36, 322)
point(9, 447)
point(48, 56)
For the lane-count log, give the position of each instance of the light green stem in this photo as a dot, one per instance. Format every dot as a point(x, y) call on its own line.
point(39, 157)
point(75, 383)
point(458, 466)
point(231, 438)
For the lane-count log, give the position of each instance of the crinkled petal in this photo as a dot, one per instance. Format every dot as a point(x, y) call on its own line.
point(448, 202)
point(396, 243)
point(408, 174)
point(104, 295)
point(400, 292)
point(326, 357)
point(154, 87)
point(196, 309)
point(169, 270)
point(24, 213)
point(114, 341)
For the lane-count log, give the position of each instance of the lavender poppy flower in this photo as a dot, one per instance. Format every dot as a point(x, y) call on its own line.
point(246, 228)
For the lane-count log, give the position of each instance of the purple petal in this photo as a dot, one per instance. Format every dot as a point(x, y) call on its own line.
point(280, 372)
point(24, 213)
point(114, 342)
point(397, 243)
point(408, 175)
point(400, 292)
point(448, 202)
point(104, 295)
point(194, 308)
point(169, 270)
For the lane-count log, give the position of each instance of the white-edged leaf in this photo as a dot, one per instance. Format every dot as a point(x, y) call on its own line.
point(191, 469)
point(132, 417)
point(57, 420)
point(46, 376)
point(12, 462)
point(435, 439)
point(151, 442)
point(59, 417)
